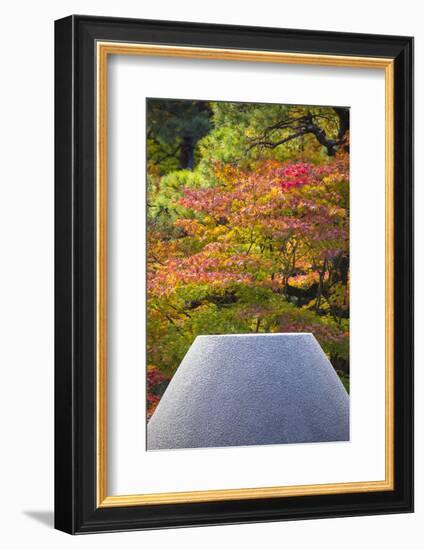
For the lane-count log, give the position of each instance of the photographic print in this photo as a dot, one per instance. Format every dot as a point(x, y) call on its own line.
point(247, 273)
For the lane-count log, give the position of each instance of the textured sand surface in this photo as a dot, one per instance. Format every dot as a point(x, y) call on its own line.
point(251, 389)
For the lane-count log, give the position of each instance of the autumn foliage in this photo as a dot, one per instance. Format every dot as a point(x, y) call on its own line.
point(255, 244)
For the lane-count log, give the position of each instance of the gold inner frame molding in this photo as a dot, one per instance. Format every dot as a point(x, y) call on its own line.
point(104, 50)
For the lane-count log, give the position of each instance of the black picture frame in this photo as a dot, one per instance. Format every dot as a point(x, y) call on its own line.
point(76, 508)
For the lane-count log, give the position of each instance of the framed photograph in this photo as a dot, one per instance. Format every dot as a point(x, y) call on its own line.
point(234, 274)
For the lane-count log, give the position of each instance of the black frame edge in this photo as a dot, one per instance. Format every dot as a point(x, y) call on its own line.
point(404, 270)
point(64, 448)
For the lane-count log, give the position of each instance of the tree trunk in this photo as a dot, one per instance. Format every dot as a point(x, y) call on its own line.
point(187, 153)
point(343, 115)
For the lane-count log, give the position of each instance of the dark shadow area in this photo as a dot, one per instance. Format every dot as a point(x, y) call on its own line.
point(46, 517)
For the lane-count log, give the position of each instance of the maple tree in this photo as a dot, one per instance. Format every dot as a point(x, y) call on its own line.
point(252, 242)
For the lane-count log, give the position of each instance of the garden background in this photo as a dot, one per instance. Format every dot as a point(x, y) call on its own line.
point(247, 227)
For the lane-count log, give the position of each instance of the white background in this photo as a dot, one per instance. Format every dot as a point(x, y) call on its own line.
point(26, 276)
point(131, 468)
